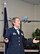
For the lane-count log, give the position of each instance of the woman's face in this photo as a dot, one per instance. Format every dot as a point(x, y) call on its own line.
point(17, 23)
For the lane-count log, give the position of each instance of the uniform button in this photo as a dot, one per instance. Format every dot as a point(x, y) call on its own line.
point(19, 41)
point(19, 44)
point(18, 37)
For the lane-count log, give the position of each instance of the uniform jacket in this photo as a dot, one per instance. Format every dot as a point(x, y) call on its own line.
point(16, 41)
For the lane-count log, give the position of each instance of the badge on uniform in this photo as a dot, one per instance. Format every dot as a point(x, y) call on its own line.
point(14, 33)
point(22, 34)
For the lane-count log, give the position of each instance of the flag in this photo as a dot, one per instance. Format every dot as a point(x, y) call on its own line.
point(5, 29)
point(5, 22)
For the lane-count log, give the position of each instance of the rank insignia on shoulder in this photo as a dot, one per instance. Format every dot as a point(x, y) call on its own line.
point(14, 33)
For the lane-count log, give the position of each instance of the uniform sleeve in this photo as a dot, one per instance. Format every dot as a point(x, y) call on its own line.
point(30, 41)
point(27, 42)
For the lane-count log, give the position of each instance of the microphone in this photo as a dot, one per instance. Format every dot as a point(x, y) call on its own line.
point(24, 19)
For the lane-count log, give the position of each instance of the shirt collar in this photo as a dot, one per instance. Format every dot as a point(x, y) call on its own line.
point(16, 28)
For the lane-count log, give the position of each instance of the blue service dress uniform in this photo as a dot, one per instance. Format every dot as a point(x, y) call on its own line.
point(16, 41)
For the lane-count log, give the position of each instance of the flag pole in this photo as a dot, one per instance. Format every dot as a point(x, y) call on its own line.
point(4, 7)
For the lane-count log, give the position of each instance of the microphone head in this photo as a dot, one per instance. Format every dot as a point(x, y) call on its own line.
point(24, 19)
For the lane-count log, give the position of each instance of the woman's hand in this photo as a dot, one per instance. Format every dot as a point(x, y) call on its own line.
point(6, 40)
point(35, 41)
